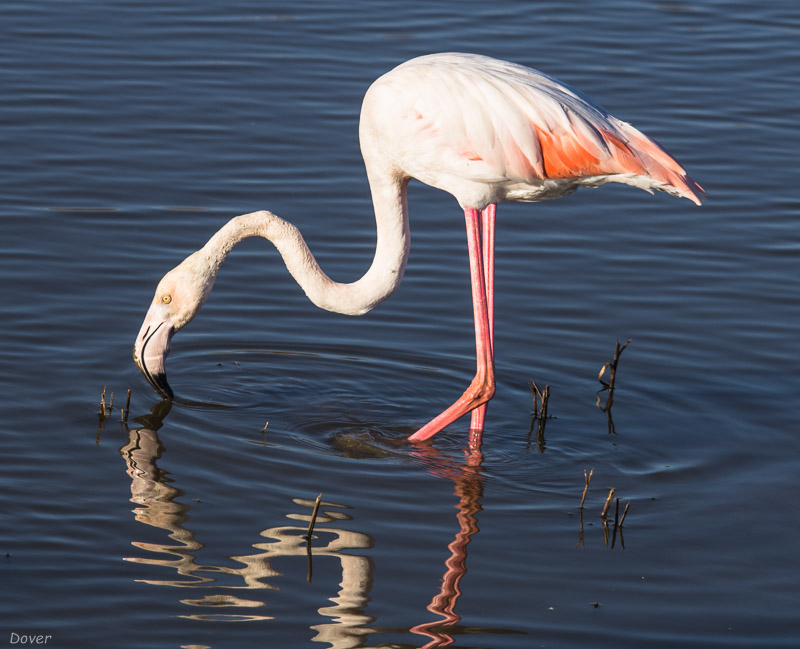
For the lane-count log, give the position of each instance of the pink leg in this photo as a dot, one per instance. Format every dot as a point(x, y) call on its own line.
point(482, 387)
point(487, 220)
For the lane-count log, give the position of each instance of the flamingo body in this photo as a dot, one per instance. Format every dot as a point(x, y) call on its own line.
point(483, 130)
point(488, 131)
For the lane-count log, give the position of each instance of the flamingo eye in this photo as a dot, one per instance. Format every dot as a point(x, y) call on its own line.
point(166, 298)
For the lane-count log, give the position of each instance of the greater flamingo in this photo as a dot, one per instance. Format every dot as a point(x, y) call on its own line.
point(480, 129)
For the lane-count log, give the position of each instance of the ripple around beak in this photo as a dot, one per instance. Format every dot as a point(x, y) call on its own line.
point(152, 347)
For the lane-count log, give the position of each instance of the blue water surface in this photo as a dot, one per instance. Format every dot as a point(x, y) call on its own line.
point(131, 131)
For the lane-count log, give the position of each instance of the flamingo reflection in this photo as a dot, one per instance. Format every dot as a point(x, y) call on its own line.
point(345, 623)
point(157, 505)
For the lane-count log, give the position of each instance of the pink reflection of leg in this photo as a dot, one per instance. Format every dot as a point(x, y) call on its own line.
point(469, 489)
point(482, 387)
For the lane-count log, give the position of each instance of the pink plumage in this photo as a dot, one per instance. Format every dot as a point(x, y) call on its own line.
point(489, 131)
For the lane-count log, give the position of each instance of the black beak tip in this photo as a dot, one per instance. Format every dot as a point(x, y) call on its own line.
point(159, 383)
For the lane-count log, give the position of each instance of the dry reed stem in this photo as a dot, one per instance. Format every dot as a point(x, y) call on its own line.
point(607, 506)
point(587, 477)
point(123, 416)
point(539, 411)
point(539, 395)
point(612, 365)
point(313, 518)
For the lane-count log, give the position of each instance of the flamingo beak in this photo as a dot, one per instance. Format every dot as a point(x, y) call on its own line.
point(152, 346)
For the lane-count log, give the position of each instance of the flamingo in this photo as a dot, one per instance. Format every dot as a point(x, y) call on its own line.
point(481, 129)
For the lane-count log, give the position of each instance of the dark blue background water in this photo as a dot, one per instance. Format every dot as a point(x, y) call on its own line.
point(131, 131)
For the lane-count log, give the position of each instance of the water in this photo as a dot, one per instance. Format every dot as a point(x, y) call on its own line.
point(132, 131)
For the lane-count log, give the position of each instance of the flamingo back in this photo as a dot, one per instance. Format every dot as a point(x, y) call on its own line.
point(486, 131)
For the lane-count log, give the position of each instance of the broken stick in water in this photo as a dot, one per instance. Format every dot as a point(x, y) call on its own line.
point(607, 506)
point(102, 411)
point(543, 396)
point(540, 401)
point(123, 416)
point(313, 518)
point(609, 386)
point(587, 477)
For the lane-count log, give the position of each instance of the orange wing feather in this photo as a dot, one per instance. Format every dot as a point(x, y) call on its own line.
point(564, 156)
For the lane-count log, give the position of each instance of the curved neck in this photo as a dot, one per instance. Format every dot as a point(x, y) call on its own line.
point(356, 298)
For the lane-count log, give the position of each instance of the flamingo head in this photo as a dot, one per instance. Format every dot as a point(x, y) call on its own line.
point(178, 298)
